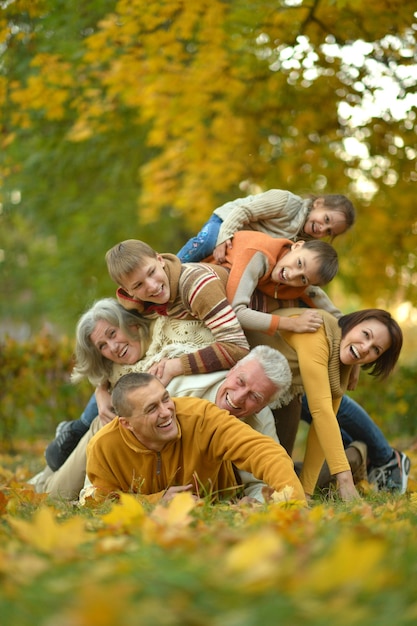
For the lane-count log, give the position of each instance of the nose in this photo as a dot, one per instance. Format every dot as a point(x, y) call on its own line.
point(240, 396)
point(113, 345)
point(297, 275)
point(366, 348)
point(150, 285)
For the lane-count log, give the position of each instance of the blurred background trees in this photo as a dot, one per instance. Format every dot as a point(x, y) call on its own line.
point(136, 119)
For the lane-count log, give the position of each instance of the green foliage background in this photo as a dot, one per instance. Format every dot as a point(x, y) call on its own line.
point(35, 388)
point(136, 119)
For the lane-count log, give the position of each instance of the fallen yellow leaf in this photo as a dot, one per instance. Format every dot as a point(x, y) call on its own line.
point(256, 559)
point(127, 511)
point(176, 512)
point(44, 533)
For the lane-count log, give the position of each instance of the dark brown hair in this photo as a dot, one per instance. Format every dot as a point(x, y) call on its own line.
point(121, 392)
point(327, 257)
point(386, 362)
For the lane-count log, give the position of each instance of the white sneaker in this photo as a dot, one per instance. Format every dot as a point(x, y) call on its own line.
point(393, 476)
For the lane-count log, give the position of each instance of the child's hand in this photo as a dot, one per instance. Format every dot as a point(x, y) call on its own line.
point(219, 251)
point(308, 322)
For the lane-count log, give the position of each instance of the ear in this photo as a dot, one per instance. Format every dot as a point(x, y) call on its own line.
point(297, 244)
point(125, 423)
point(318, 203)
point(161, 259)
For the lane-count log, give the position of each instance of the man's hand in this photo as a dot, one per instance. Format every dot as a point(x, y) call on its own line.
point(248, 501)
point(171, 492)
point(166, 370)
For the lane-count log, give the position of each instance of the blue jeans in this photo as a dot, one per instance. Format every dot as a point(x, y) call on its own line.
point(202, 245)
point(356, 425)
point(90, 411)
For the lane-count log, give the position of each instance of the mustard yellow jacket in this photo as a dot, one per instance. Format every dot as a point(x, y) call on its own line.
point(209, 441)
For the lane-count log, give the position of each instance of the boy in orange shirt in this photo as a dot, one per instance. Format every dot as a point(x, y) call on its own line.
point(278, 269)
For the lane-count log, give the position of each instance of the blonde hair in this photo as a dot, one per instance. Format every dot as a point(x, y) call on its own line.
point(126, 256)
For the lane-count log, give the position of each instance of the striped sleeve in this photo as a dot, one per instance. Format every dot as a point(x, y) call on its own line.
point(203, 294)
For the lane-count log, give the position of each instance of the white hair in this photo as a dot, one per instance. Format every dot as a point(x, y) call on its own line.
point(277, 370)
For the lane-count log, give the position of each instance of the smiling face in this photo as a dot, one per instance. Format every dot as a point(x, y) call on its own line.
point(115, 345)
point(245, 390)
point(297, 268)
point(153, 420)
point(364, 343)
point(149, 282)
point(323, 222)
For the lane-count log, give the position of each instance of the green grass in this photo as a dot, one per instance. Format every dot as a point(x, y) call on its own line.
point(225, 565)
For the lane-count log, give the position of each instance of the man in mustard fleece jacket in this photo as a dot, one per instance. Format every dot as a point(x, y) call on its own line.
point(160, 446)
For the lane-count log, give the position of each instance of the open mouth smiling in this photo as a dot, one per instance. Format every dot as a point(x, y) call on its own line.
point(284, 274)
point(166, 424)
point(158, 293)
point(354, 352)
point(123, 352)
point(229, 402)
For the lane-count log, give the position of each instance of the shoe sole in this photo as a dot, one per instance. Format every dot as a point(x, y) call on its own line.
point(405, 465)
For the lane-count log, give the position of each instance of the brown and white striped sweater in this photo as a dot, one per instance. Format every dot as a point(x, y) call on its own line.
point(198, 291)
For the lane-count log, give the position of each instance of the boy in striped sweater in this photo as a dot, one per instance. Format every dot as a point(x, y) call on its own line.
point(155, 284)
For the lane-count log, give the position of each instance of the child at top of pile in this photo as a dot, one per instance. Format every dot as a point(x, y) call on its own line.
point(276, 212)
